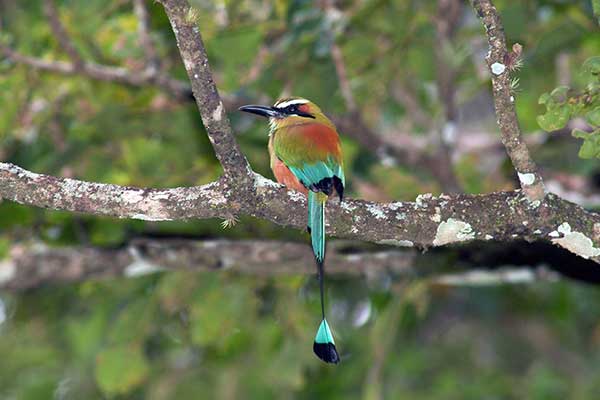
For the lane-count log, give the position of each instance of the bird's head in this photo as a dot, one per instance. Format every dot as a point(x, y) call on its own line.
point(289, 111)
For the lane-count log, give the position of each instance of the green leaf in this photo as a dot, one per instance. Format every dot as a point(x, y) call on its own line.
point(579, 134)
point(591, 143)
point(554, 119)
point(596, 9)
point(120, 369)
point(559, 94)
point(592, 64)
point(593, 117)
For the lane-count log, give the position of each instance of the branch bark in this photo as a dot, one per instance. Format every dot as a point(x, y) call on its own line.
point(212, 110)
point(31, 265)
point(531, 181)
point(36, 265)
point(143, 17)
point(106, 73)
point(446, 22)
point(430, 221)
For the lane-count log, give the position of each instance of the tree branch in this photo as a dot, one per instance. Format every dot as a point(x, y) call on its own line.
point(61, 34)
point(342, 76)
point(143, 17)
point(446, 22)
point(430, 221)
point(34, 265)
point(212, 110)
point(176, 88)
point(37, 265)
point(45, 191)
point(531, 181)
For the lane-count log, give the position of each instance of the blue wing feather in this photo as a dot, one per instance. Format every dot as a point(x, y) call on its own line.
point(311, 174)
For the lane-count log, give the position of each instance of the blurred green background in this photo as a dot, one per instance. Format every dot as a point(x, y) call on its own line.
point(184, 335)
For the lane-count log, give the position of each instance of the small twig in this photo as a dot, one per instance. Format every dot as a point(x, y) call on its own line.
point(531, 181)
point(256, 66)
point(61, 34)
point(390, 154)
point(446, 22)
point(340, 68)
point(143, 17)
point(176, 88)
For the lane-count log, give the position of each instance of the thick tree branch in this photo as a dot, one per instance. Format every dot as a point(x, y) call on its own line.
point(45, 191)
point(430, 221)
point(497, 57)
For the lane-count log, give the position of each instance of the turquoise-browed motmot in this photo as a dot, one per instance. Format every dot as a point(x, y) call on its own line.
point(306, 155)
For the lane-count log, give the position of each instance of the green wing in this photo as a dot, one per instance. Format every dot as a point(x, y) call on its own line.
point(312, 174)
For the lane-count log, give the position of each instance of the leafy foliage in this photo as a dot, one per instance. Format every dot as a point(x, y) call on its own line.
point(564, 104)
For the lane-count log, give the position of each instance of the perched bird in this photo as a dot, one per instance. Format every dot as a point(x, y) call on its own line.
point(306, 155)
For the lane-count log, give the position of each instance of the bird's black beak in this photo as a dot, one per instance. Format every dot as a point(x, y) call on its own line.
point(265, 111)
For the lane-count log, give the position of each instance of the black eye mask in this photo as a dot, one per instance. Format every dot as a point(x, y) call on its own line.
point(294, 109)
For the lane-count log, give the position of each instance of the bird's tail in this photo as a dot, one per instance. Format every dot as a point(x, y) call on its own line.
point(316, 223)
point(324, 346)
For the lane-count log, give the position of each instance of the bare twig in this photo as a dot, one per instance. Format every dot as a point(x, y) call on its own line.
point(531, 181)
point(353, 125)
point(61, 34)
point(340, 68)
point(391, 154)
point(176, 88)
point(143, 17)
point(446, 22)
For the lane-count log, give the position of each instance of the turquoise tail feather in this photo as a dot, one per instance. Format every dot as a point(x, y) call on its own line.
point(324, 345)
point(316, 223)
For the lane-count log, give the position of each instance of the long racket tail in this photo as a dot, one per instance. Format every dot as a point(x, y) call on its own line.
point(324, 345)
